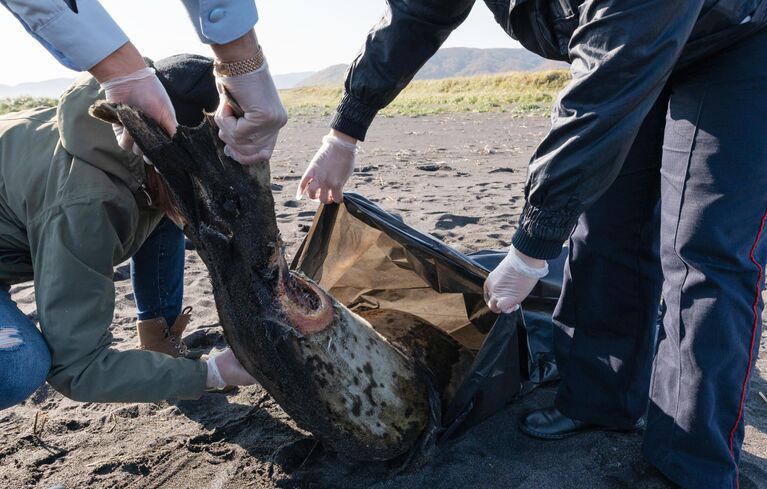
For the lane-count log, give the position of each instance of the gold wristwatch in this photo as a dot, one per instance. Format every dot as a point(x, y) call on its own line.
point(242, 67)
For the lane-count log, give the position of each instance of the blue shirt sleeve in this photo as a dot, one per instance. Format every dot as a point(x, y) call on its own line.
point(81, 33)
point(79, 36)
point(221, 21)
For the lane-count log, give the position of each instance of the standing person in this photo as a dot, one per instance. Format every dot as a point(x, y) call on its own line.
point(83, 37)
point(649, 154)
point(73, 205)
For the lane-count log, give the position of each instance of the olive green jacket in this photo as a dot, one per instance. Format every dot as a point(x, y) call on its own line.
point(72, 207)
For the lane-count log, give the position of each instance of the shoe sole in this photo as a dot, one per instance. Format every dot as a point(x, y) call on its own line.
point(544, 436)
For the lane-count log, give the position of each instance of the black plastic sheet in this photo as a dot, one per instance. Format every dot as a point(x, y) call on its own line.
point(370, 259)
point(537, 329)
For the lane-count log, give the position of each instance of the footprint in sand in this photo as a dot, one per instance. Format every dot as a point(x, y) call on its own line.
point(451, 221)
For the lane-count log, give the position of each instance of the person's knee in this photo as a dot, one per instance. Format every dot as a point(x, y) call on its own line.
point(25, 366)
point(10, 339)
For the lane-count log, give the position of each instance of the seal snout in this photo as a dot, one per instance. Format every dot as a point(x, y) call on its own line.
point(308, 308)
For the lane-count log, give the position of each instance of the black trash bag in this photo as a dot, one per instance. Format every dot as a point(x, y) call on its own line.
point(376, 265)
point(537, 332)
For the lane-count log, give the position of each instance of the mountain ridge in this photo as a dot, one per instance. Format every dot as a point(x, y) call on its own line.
point(46, 88)
point(454, 62)
point(446, 63)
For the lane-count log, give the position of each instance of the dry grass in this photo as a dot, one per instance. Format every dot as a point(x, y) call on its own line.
point(23, 103)
point(515, 92)
point(528, 93)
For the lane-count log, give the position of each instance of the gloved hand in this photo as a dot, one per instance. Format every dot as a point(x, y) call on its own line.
point(512, 281)
point(251, 138)
point(225, 370)
point(329, 170)
point(142, 90)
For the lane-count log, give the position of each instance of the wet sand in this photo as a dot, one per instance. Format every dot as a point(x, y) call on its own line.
point(458, 177)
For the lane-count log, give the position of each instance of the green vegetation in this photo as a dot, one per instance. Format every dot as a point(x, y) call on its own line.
point(512, 92)
point(523, 93)
point(23, 103)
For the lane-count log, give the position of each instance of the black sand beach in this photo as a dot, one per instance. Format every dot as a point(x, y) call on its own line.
point(459, 177)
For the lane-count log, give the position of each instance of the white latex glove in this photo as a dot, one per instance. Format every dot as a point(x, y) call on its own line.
point(251, 138)
point(329, 170)
point(225, 370)
point(142, 90)
point(511, 282)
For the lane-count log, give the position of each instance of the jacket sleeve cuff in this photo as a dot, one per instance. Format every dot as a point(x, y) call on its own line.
point(535, 247)
point(82, 39)
point(541, 233)
point(353, 117)
point(221, 21)
point(193, 386)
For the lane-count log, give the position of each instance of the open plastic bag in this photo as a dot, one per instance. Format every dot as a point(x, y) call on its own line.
point(370, 260)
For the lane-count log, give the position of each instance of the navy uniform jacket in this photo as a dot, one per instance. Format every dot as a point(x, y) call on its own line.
point(622, 52)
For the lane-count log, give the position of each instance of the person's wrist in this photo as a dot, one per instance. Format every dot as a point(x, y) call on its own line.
point(528, 260)
point(122, 62)
point(341, 144)
point(343, 137)
point(242, 48)
point(213, 380)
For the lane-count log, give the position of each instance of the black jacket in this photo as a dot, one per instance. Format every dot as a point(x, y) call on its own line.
point(622, 52)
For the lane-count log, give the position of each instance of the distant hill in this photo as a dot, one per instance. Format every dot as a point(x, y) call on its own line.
point(461, 62)
point(332, 75)
point(454, 62)
point(447, 63)
point(290, 80)
point(54, 88)
point(48, 88)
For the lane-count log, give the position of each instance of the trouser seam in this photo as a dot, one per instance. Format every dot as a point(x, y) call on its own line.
point(752, 345)
point(687, 270)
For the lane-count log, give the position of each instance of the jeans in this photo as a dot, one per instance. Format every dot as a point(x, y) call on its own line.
point(157, 273)
point(24, 356)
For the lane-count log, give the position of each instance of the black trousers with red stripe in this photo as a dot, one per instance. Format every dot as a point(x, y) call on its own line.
point(687, 213)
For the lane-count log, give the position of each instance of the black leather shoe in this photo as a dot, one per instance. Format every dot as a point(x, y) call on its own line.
point(550, 424)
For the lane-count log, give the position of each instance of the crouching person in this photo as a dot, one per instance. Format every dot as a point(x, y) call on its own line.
point(72, 206)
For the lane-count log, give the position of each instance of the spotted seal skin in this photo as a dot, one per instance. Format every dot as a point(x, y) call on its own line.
point(327, 367)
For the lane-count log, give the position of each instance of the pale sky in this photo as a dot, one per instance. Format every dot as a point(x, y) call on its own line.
point(297, 35)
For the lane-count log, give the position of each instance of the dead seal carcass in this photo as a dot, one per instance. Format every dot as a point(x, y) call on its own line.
point(326, 366)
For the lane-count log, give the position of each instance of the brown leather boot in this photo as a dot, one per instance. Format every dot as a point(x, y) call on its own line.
point(155, 335)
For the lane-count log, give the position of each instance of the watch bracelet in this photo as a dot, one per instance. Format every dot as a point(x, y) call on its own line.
point(241, 67)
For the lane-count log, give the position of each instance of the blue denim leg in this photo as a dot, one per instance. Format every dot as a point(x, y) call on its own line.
point(26, 362)
point(157, 273)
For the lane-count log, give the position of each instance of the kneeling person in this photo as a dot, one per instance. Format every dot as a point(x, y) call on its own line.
point(72, 206)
